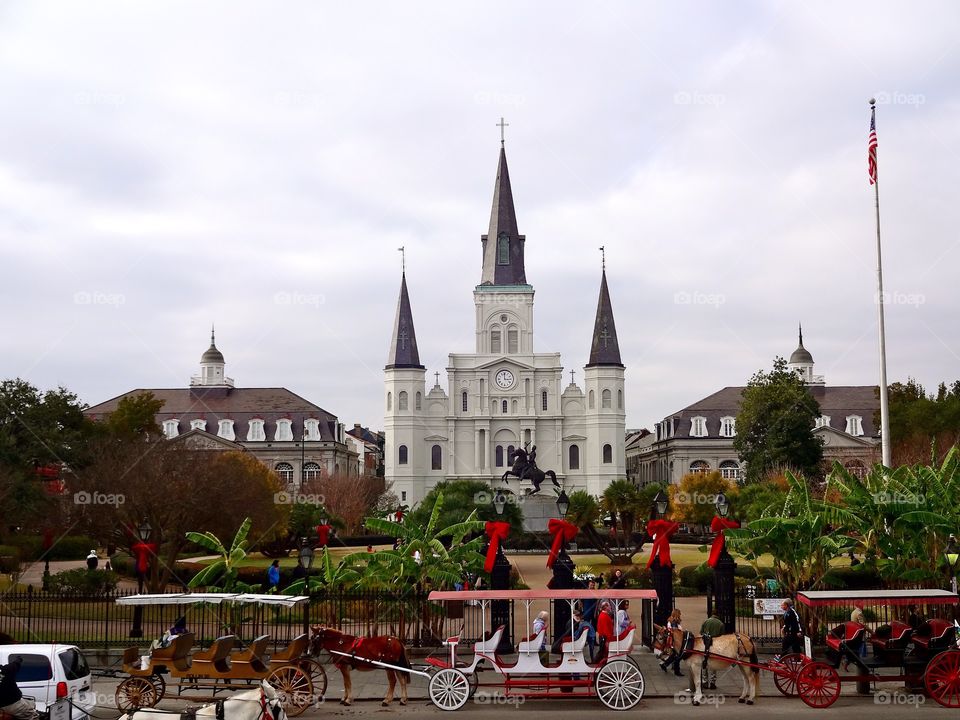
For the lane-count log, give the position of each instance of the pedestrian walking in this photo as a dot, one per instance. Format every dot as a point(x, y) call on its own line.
point(714, 627)
point(674, 622)
point(92, 560)
point(273, 575)
point(792, 634)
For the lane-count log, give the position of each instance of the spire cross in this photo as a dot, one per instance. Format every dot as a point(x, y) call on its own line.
point(403, 259)
point(402, 336)
point(502, 125)
point(437, 376)
point(604, 335)
point(571, 377)
point(603, 258)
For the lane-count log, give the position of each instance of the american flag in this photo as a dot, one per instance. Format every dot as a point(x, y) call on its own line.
point(872, 147)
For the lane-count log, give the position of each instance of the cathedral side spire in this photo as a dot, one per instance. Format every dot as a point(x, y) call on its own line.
point(403, 346)
point(605, 349)
point(503, 243)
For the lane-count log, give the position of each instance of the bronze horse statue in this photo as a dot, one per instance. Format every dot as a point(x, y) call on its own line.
point(525, 466)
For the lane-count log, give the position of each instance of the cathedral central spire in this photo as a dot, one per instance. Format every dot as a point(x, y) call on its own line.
point(503, 243)
point(403, 347)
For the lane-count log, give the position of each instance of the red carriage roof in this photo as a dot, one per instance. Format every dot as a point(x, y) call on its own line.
point(821, 598)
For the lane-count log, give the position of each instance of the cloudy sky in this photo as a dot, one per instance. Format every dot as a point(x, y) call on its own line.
point(168, 165)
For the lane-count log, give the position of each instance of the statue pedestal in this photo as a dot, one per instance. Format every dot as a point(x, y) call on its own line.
point(538, 509)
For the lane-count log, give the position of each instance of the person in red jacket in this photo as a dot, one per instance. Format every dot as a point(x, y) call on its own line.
point(605, 629)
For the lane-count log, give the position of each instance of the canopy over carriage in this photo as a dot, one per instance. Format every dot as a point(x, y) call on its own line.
point(225, 665)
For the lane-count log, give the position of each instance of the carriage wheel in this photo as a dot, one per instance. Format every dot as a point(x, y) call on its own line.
point(818, 684)
point(619, 684)
point(294, 687)
point(318, 676)
point(449, 689)
point(159, 684)
point(942, 678)
point(474, 681)
point(785, 678)
point(135, 693)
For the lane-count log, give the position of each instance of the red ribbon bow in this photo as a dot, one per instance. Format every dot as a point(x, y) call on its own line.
point(660, 531)
point(496, 531)
point(143, 551)
point(563, 532)
point(323, 534)
point(718, 525)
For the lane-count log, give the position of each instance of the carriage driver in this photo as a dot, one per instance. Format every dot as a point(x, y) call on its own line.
point(792, 634)
point(12, 701)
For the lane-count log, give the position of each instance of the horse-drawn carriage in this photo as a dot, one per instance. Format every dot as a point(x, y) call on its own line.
point(299, 680)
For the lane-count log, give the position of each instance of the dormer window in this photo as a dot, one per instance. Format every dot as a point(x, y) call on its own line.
point(854, 425)
point(698, 426)
point(198, 424)
point(822, 421)
point(171, 428)
point(728, 427)
point(255, 431)
point(503, 249)
point(284, 431)
point(225, 430)
point(311, 429)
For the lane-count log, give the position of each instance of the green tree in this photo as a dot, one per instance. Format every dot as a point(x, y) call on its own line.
point(919, 419)
point(463, 498)
point(775, 424)
point(221, 575)
point(585, 511)
point(693, 501)
point(760, 499)
point(135, 416)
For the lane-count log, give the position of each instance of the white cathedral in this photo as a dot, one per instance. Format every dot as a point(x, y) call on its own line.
point(503, 395)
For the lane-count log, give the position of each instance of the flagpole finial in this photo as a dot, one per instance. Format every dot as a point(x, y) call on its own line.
point(872, 101)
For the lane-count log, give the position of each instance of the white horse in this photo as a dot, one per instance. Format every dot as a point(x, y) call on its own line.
point(259, 703)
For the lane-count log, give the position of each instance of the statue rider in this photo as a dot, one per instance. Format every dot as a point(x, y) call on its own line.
point(531, 465)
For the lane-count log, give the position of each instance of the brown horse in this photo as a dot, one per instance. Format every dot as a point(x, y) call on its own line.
point(382, 648)
point(724, 650)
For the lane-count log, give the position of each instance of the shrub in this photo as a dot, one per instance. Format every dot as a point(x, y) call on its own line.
point(84, 582)
point(9, 559)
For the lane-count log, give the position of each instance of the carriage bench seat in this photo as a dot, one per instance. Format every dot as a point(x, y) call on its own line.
point(894, 636)
point(491, 644)
point(132, 663)
point(176, 656)
point(850, 633)
point(624, 641)
point(533, 643)
point(575, 646)
point(293, 651)
point(214, 661)
point(252, 662)
point(934, 635)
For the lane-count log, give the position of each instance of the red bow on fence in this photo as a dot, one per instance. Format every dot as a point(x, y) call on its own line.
point(718, 525)
point(660, 531)
point(563, 532)
point(496, 531)
point(323, 534)
point(142, 552)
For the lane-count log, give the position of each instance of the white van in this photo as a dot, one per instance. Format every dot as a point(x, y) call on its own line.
point(51, 671)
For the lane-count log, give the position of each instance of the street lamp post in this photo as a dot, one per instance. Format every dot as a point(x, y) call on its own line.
point(305, 558)
point(562, 577)
point(144, 531)
point(303, 470)
point(723, 575)
point(951, 554)
point(501, 612)
point(661, 576)
point(47, 545)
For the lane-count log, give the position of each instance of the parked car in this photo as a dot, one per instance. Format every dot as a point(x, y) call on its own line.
point(51, 671)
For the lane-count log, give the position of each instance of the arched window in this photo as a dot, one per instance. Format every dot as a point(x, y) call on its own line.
point(284, 472)
point(513, 341)
point(730, 469)
point(171, 428)
point(592, 400)
point(402, 400)
point(402, 455)
point(607, 454)
point(198, 425)
point(311, 471)
point(574, 461)
point(389, 401)
point(418, 403)
point(543, 400)
point(463, 401)
point(436, 458)
point(503, 249)
point(498, 455)
point(495, 340)
point(503, 406)
point(513, 406)
point(699, 467)
point(606, 398)
point(619, 399)
point(510, 454)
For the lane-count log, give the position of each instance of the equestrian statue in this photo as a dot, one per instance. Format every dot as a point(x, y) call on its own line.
point(525, 467)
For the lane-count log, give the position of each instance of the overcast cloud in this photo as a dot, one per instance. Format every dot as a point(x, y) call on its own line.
point(168, 165)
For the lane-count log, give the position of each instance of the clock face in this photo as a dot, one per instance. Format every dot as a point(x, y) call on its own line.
point(505, 379)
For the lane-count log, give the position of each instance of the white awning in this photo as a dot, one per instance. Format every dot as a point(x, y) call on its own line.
point(212, 598)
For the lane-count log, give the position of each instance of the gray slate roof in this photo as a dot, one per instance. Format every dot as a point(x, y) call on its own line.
point(605, 349)
point(503, 220)
point(403, 345)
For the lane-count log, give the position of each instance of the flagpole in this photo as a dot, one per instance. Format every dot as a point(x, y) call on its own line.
point(884, 401)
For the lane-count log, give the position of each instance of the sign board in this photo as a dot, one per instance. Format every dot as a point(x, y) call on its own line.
point(60, 710)
point(768, 606)
point(807, 647)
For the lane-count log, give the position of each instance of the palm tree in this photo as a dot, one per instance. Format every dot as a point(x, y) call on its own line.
point(585, 511)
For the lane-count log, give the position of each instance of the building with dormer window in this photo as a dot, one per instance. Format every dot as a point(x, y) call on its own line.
point(504, 394)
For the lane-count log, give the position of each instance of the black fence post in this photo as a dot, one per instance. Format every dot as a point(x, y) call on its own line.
point(663, 584)
point(562, 580)
point(501, 611)
point(723, 574)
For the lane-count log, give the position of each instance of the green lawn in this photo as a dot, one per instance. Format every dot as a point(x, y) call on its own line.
point(258, 560)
